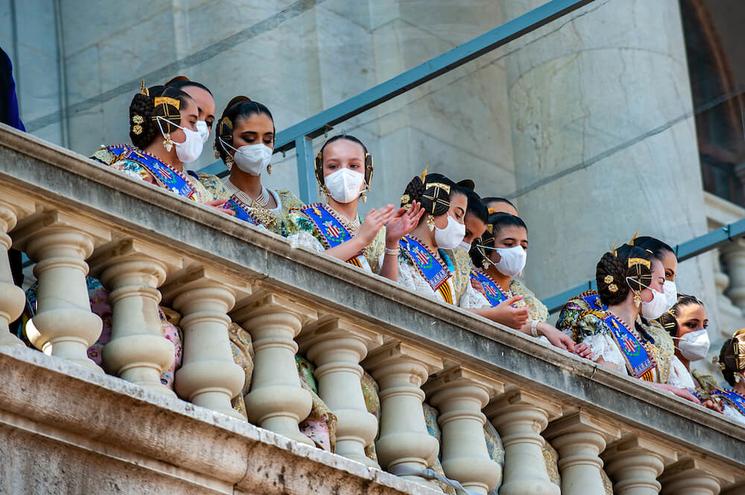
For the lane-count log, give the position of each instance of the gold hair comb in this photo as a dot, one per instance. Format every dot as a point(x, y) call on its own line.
point(167, 100)
point(639, 261)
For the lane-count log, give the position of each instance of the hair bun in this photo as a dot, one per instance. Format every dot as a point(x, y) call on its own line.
point(236, 100)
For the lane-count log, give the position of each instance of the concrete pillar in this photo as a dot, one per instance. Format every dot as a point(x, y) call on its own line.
point(694, 477)
point(733, 256)
point(459, 395)
point(601, 118)
point(208, 376)
point(520, 418)
point(64, 325)
point(138, 351)
point(336, 347)
point(12, 298)
point(404, 445)
point(634, 465)
point(580, 439)
point(277, 400)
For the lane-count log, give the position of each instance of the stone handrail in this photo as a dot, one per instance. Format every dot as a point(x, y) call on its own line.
point(68, 214)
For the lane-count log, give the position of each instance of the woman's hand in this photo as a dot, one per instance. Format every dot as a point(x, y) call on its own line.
point(583, 350)
point(374, 221)
point(401, 223)
point(680, 392)
point(507, 314)
point(557, 338)
point(219, 205)
point(714, 405)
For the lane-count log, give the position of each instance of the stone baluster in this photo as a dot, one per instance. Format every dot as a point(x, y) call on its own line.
point(12, 298)
point(460, 395)
point(138, 351)
point(634, 465)
point(733, 257)
point(336, 347)
point(64, 325)
point(404, 446)
point(276, 401)
point(208, 376)
point(520, 418)
point(580, 439)
point(695, 477)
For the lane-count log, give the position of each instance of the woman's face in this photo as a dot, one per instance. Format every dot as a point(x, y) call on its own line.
point(691, 317)
point(670, 265)
point(502, 207)
point(658, 279)
point(205, 104)
point(507, 237)
point(343, 153)
point(457, 211)
point(257, 128)
point(189, 117)
point(475, 228)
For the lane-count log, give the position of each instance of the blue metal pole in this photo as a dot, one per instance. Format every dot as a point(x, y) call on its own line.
point(306, 177)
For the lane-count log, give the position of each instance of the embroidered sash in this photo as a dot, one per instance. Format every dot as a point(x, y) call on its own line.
point(434, 272)
point(165, 175)
point(737, 400)
point(242, 211)
point(488, 287)
point(638, 360)
point(330, 227)
point(592, 299)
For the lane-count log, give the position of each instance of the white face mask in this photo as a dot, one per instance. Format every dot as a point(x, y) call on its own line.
point(656, 307)
point(189, 150)
point(451, 236)
point(694, 345)
point(671, 293)
point(512, 260)
point(345, 185)
point(251, 158)
point(203, 130)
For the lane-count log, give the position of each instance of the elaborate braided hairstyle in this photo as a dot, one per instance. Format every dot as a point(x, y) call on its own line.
point(622, 270)
point(369, 168)
point(240, 107)
point(669, 319)
point(495, 223)
point(433, 192)
point(149, 104)
point(732, 357)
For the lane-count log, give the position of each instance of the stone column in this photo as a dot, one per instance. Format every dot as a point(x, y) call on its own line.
point(695, 477)
point(277, 400)
point(520, 418)
point(733, 257)
point(12, 298)
point(64, 325)
point(137, 352)
point(634, 465)
point(580, 439)
point(336, 347)
point(595, 98)
point(404, 445)
point(460, 395)
point(208, 376)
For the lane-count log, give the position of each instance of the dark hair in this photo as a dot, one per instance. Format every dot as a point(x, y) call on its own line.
point(728, 357)
point(143, 114)
point(318, 163)
point(240, 107)
point(434, 193)
point(342, 137)
point(654, 246)
point(617, 273)
point(495, 223)
point(475, 206)
point(497, 199)
point(181, 82)
point(669, 319)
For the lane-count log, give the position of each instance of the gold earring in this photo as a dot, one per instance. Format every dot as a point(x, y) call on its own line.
point(363, 196)
point(637, 299)
point(229, 162)
point(431, 222)
point(168, 142)
point(269, 169)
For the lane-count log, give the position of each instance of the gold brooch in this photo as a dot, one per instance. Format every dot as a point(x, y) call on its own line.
point(137, 119)
point(613, 288)
point(405, 199)
point(137, 129)
point(608, 279)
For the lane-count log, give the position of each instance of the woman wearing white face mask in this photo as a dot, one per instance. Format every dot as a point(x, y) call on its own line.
point(498, 258)
point(732, 363)
point(619, 330)
point(244, 140)
point(344, 169)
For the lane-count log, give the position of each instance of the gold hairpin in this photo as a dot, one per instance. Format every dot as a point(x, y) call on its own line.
point(143, 89)
point(639, 261)
point(167, 100)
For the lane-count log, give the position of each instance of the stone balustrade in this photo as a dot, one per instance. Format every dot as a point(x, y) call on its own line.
point(149, 248)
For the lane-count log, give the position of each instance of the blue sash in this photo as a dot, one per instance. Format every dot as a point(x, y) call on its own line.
point(433, 271)
point(732, 397)
point(332, 230)
point(638, 360)
point(242, 212)
point(488, 287)
point(592, 299)
point(166, 176)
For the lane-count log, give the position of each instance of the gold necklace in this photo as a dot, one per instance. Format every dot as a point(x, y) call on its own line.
point(261, 201)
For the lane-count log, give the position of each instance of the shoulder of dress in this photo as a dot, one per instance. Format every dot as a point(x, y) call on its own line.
point(104, 156)
point(289, 199)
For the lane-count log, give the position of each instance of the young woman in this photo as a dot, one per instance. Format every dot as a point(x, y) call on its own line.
point(732, 363)
point(498, 295)
point(245, 142)
point(202, 96)
point(344, 171)
point(620, 328)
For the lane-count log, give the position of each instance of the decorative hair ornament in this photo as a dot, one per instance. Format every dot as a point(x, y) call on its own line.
point(639, 261)
point(492, 211)
point(739, 348)
point(143, 89)
point(167, 100)
point(608, 279)
point(613, 288)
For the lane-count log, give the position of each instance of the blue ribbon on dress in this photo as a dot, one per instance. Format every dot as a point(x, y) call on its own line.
point(488, 287)
point(732, 397)
point(592, 299)
point(433, 271)
point(637, 358)
point(330, 227)
point(163, 173)
point(241, 211)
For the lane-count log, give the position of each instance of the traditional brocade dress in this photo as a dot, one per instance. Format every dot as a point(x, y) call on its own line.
point(733, 403)
point(487, 294)
point(273, 219)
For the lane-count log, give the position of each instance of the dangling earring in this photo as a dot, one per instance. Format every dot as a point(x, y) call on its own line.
point(363, 196)
point(269, 169)
point(637, 299)
point(168, 142)
point(431, 222)
point(229, 162)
